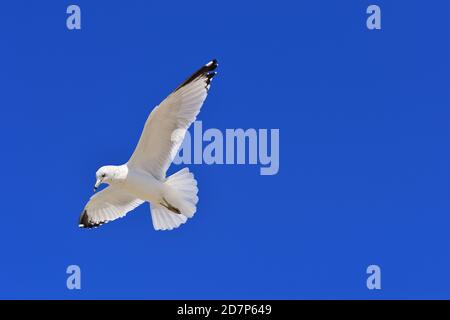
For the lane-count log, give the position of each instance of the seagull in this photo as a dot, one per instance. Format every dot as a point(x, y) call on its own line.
point(143, 178)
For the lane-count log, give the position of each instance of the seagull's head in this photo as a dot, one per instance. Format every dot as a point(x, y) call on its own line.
point(104, 175)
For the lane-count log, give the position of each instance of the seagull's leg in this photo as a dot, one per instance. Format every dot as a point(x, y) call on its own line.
point(169, 206)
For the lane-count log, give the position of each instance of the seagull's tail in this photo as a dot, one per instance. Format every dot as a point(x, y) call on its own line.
point(179, 202)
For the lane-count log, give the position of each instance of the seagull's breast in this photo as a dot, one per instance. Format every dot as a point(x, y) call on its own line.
point(144, 186)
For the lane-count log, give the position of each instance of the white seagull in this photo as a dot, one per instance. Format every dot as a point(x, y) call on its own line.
point(143, 178)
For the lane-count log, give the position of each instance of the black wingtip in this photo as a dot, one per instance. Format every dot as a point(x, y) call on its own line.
point(213, 63)
point(84, 222)
point(206, 71)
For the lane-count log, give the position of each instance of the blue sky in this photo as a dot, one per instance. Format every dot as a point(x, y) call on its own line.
point(364, 148)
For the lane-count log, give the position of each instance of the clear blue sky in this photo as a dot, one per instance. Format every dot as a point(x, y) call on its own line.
point(364, 123)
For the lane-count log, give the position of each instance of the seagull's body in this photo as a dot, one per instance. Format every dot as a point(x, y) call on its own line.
point(137, 182)
point(144, 185)
point(143, 178)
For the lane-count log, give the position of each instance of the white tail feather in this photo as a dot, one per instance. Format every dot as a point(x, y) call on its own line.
point(164, 219)
point(181, 193)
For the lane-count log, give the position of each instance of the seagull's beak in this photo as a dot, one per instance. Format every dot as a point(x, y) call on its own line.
point(97, 183)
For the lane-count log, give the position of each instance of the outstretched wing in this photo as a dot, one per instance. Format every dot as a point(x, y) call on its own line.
point(166, 126)
point(107, 205)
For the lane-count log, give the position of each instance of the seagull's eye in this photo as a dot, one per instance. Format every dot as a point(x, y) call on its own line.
point(103, 175)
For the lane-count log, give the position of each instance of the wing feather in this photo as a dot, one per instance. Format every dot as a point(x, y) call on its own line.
point(167, 124)
point(107, 205)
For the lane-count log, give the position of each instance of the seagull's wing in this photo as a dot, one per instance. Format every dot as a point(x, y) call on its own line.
point(107, 205)
point(166, 126)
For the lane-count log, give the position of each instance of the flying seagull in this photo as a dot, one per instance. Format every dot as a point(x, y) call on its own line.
point(143, 178)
